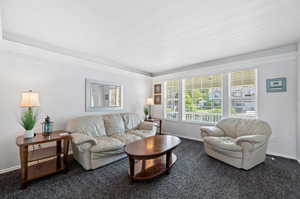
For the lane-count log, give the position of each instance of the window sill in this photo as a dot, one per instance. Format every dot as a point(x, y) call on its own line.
point(191, 122)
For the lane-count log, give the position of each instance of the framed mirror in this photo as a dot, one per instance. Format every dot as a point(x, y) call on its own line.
point(102, 96)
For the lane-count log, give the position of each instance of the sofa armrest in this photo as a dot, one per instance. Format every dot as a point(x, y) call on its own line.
point(78, 139)
point(146, 126)
point(211, 131)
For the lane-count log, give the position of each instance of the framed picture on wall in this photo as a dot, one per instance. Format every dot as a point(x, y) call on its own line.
point(157, 99)
point(157, 88)
point(276, 85)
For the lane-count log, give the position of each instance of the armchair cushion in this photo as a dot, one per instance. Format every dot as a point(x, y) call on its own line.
point(106, 144)
point(211, 131)
point(226, 143)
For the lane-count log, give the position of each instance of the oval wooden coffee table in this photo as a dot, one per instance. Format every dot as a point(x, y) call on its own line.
point(151, 157)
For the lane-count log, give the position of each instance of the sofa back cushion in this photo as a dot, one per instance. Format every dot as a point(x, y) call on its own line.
point(253, 127)
point(88, 125)
point(131, 120)
point(114, 124)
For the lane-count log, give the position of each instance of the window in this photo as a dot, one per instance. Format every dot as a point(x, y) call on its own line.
point(202, 100)
point(209, 98)
point(243, 94)
point(172, 100)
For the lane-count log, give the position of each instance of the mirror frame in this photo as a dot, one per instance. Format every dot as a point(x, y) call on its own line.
point(88, 107)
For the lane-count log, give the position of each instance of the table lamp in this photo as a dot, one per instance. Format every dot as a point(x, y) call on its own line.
point(29, 118)
point(149, 103)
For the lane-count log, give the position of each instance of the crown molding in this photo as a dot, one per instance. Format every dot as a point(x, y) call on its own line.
point(226, 67)
point(236, 58)
point(21, 39)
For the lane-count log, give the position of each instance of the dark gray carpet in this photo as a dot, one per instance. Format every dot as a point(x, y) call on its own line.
point(195, 175)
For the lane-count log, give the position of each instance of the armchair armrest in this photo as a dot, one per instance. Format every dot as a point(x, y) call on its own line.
point(146, 126)
point(253, 139)
point(211, 131)
point(248, 142)
point(78, 139)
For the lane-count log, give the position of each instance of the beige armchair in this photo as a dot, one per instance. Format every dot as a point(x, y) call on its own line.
point(239, 142)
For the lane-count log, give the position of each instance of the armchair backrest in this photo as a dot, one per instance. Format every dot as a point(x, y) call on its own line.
point(236, 127)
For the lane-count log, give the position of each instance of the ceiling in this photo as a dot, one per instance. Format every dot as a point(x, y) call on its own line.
point(153, 36)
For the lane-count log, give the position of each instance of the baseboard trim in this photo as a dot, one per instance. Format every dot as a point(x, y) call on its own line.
point(281, 155)
point(201, 140)
point(13, 168)
point(182, 136)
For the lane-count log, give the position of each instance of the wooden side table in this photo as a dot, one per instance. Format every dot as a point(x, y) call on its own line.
point(48, 160)
point(157, 122)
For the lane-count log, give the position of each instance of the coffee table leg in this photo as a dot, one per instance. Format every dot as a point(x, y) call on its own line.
point(131, 174)
point(168, 161)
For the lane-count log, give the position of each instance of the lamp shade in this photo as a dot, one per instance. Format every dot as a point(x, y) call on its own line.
point(149, 101)
point(30, 99)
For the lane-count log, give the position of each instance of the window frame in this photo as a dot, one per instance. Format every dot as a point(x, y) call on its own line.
point(226, 98)
point(165, 100)
point(229, 92)
point(183, 94)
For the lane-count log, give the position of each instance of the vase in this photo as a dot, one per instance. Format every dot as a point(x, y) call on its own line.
point(29, 134)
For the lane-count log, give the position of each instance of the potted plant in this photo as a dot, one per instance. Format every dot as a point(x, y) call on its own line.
point(146, 112)
point(28, 121)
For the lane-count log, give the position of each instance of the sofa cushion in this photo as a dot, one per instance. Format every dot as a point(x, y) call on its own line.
point(127, 138)
point(142, 133)
point(106, 144)
point(88, 125)
point(131, 120)
point(226, 143)
point(114, 124)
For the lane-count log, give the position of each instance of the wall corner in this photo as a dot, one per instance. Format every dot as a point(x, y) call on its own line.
point(298, 104)
point(1, 29)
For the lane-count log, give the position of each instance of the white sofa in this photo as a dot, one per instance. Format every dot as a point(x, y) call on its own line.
point(239, 142)
point(100, 139)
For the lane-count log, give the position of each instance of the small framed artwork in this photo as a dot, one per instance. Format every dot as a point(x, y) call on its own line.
point(276, 85)
point(157, 99)
point(157, 88)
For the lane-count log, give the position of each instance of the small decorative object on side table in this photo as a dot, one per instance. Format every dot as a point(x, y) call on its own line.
point(48, 160)
point(47, 126)
point(157, 122)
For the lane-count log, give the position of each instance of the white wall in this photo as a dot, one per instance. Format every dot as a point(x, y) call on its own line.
point(298, 103)
point(279, 109)
point(62, 93)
